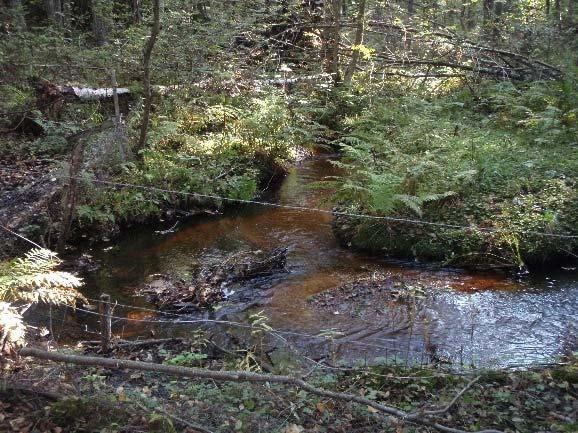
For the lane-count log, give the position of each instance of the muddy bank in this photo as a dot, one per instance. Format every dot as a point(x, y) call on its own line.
point(32, 196)
point(463, 248)
point(29, 197)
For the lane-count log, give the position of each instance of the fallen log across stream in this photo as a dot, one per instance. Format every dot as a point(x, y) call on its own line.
point(420, 417)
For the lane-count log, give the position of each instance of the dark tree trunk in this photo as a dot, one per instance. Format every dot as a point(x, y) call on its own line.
point(147, 53)
point(570, 13)
point(314, 10)
point(463, 17)
point(136, 11)
point(547, 7)
point(53, 10)
point(410, 8)
point(203, 11)
point(66, 6)
point(18, 13)
point(488, 18)
point(488, 11)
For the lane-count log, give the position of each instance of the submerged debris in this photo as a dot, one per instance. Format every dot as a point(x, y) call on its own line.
point(210, 284)
point(369, 295)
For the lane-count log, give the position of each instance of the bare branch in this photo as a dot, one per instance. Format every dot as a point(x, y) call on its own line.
point(449, 405)
point(239, 376)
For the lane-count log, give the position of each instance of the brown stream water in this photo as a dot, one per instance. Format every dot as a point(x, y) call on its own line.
point(472, 318)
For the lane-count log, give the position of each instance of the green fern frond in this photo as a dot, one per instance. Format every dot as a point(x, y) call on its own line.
point(411, 201)
point(34, 278)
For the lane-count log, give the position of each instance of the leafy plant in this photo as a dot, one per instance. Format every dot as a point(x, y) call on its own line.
point(35, 278)
point(186, 358)
point(29, 280)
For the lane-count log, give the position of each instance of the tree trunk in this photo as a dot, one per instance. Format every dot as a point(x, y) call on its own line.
point(148, 50)
point(488, 17)
point(53, 10)
point(547, 7)
point(332, 39)
point(99, 22)
point(66, 7)
point(357, 43)
point(463, 14)
point(570, 13)
point(410, 8)
point(558, 10)
point(203, 12)
point(136, 11)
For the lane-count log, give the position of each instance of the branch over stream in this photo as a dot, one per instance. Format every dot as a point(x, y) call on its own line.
point(242, 376)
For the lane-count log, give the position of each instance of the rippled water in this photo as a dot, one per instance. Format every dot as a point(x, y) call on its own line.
point(472, 318)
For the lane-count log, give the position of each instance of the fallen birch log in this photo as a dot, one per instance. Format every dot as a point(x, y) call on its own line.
point(94, 94)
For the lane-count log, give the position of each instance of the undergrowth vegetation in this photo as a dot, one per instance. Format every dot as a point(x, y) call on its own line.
point(231, 148)
point(503, 158)
point(516, 401)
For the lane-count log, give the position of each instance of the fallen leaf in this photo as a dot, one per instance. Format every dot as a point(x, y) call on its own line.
point(17, 423)
point(294, 428)
point(372, 409)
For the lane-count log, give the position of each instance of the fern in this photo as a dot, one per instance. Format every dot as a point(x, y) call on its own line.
point(12, 328)
point(34, 278)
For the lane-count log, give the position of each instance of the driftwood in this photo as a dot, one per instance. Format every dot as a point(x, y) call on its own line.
point(245, 376)
point(136, 343)
point(208, 285)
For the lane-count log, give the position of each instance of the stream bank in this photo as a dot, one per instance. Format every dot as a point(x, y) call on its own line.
point(97, 399)
point(463, 315)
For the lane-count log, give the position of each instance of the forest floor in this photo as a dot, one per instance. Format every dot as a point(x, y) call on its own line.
point(39, 396)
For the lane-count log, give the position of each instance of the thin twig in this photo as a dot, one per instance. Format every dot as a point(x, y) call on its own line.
point(451, 403)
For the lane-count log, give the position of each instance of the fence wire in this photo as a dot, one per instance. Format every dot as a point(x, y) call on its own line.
point(334, 212)
point(299, 342)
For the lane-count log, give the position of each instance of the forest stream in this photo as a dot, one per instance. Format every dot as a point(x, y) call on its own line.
point(464, 317)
